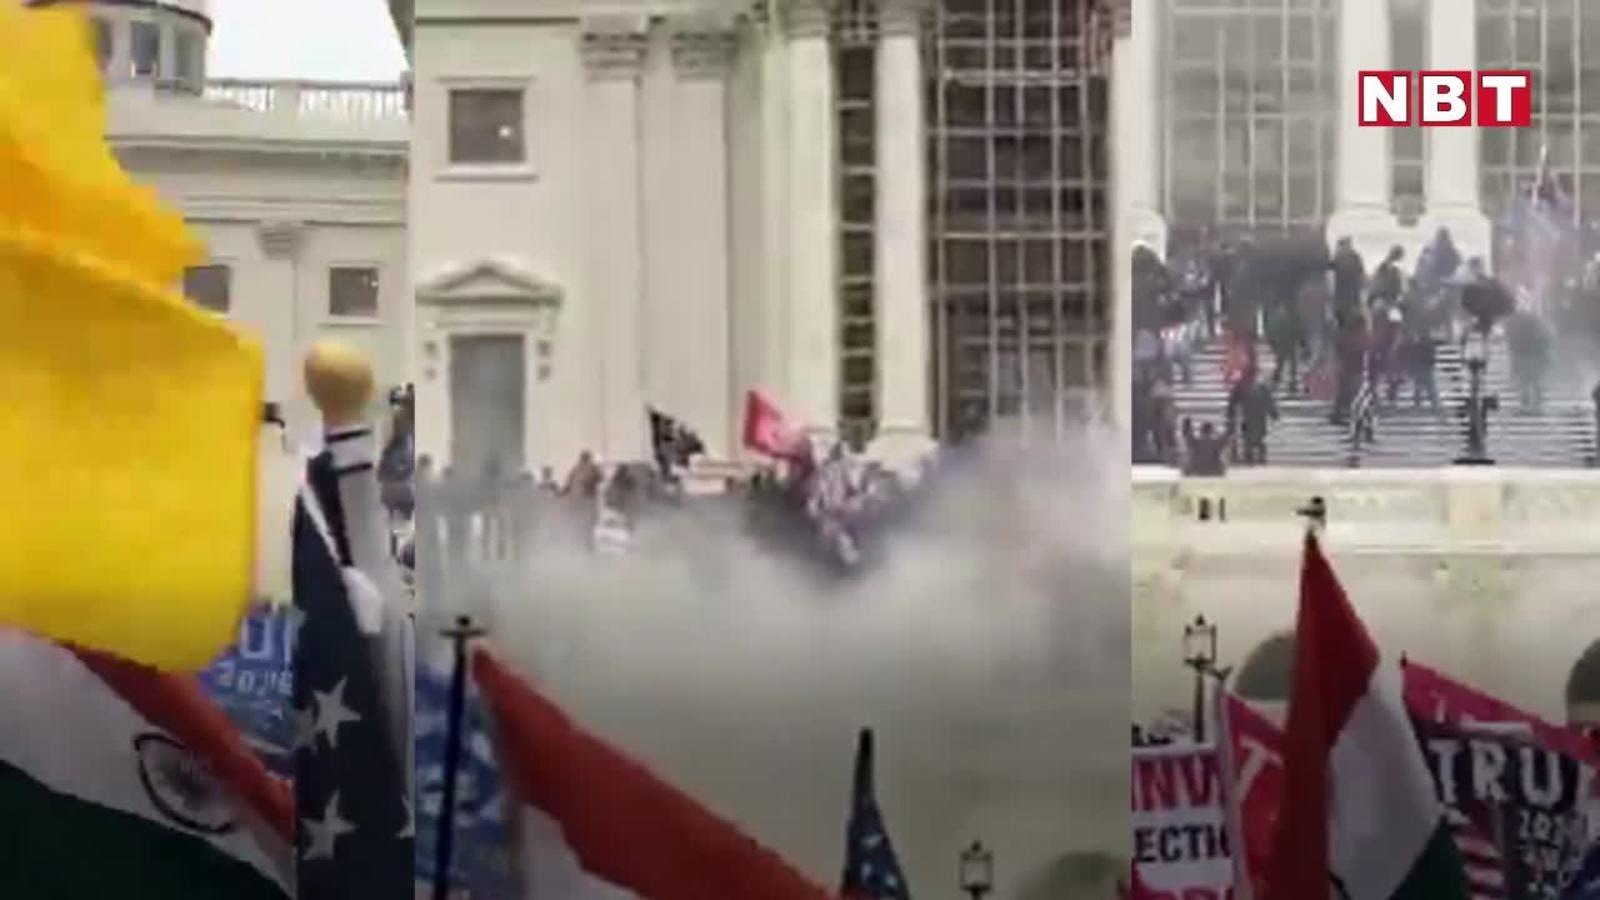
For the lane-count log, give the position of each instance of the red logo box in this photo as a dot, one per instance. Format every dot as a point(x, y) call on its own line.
point(1505, 98)
point(1445, 98)
point(1499, 98)
point(1383, 99)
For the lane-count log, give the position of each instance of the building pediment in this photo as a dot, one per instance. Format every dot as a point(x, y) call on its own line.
point(487, 281)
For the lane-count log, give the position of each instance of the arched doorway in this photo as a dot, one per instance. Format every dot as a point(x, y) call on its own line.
point(1583, 689)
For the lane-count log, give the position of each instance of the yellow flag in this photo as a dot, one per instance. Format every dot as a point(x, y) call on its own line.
point(128, 418)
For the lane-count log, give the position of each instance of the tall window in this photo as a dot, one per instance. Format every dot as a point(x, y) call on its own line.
point(1560, 41)
point(353, 292)
point(1408, 42)
point(103, 46)
point(1250, 95)
point(1020, 220)
point(188, 56)
point(210, 287)
point(146, 47)
point(855, 62)
point(487, 126)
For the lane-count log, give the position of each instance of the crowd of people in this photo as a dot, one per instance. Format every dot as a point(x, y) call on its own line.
point(1362, 340)
point(830, 508)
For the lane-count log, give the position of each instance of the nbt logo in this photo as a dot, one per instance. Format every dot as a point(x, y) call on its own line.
point(1492, 99)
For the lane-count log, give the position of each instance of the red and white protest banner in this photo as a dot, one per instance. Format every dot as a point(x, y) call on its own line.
point(1252, 761)
point(1180, 840)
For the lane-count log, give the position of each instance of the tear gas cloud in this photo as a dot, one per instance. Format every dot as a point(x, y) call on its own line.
point(989, 649)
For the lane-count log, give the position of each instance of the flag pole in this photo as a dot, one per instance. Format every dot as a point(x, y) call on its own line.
point(460, 635)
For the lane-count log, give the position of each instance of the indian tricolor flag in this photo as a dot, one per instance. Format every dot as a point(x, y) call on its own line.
point(1360, 818)
point(594, 825)
point(117, 781)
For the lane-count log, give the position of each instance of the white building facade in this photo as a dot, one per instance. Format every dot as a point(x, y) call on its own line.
point(1252, 122)
point(849, 206)
point(296, 188)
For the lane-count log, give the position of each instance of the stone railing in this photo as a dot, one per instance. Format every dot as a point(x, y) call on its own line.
point(1395, 512)
point(354, 103)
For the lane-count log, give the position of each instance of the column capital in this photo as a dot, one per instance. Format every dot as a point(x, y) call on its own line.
point(280, 239)
point(703, 46)
point(614, 46)
point(807, 18)
point(904, 18)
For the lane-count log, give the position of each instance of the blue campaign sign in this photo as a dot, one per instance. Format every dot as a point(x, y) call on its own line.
point(253, 682)
point(481, 865)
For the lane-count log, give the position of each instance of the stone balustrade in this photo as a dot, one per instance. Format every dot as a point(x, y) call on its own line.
point(1492, 575)
point(352, 102)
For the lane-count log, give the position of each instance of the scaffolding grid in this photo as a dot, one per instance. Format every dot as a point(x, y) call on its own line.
point(855, 61)
point(1020, 280)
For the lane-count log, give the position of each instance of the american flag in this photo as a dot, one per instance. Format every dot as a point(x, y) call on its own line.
point(871, 869)
point(1484, 866)
point(352, 791)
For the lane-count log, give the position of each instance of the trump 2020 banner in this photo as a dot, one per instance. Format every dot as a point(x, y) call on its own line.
point(253, 682)
point(1517, 807)
point(1180, 834)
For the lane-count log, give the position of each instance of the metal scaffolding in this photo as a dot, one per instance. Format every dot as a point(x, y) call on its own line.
point(1020, 230)
point(855, 59)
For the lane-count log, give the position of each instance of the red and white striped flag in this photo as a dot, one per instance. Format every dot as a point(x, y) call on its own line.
point(595, 825)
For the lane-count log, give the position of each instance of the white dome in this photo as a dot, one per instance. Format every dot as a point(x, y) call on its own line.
point(200, 8)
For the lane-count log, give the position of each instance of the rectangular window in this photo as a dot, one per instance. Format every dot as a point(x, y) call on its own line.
point(102, 43)
point(486, 126)
point(353, 292)
point(146, 49)
point(186, 57)
point(210, 287)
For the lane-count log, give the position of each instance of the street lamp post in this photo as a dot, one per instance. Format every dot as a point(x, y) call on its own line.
point(977, 871)
point(1200, 654)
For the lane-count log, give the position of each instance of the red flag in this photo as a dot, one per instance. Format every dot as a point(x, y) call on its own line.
point(1433, 696)
point(766, 430)
point(1253, 769)
point(595, 824)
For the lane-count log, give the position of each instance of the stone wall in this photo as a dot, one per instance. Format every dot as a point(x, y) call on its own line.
point(1488, 574)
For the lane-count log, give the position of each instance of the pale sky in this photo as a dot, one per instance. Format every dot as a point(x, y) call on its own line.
point(304, 39)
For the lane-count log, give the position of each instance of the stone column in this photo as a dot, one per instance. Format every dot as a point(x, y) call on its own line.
point(812, 394)
point(1363, 185)
point(900, 249)
point(261, 293)
point(1453, 163)
point(1136, 167)
point(772, 371)
point(614, 50)
point(702, 53)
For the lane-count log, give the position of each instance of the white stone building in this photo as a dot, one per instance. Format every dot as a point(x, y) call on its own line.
point(892, 216)
point(297, 189)
point(1253, 120)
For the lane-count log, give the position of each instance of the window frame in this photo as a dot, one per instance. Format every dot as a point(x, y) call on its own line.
point(374, 317)
point(452, 169)
point(227, 266)
point(134, 28)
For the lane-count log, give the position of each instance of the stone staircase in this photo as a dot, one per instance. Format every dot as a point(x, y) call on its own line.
point(1561, 435)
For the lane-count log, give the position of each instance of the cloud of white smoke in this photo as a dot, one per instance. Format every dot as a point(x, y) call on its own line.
point(989, 651)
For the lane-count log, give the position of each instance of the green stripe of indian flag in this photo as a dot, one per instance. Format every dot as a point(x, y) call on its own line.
point(71, 771)
point(1386, 833)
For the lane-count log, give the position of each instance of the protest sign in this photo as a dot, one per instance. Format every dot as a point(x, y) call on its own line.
point(253, 682)
point(1180, 839)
